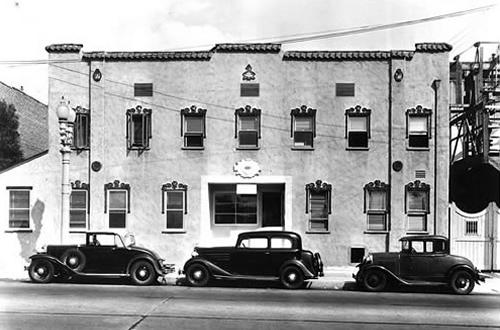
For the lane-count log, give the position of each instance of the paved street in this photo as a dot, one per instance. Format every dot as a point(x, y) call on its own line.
point(104, 306)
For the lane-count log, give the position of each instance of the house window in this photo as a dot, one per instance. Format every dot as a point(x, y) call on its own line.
point(357, 255)
point(418, 124)
point(174, 203)
point(143, 89)
point(19, 207)
point(117, 203)
point(357, 127)
point(138, 128)
point(81, 136)
point(249, 89)
point(78, 205)
point(376, 205)
point(193, 127)
point(247, 127)
point(417, 205)
point(303, 128)
point(318, 205)
point(234, 209)
point(344, 89)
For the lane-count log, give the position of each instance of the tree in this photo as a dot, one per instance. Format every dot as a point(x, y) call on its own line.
point(10, 147)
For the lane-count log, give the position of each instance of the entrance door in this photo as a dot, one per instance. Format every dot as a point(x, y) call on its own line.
point(272, 209)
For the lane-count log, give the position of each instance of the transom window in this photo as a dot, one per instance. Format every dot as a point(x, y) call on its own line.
point(193, 127)
point(231, 208)
point(247, 127)
point(376, 205)
point(81, 136)
point(417, 205)
point(357, 127)
point(117, 203)
point(418, 127)
point(174, 205)
point(318, 205)
point(78, 206)
point(138, 128)
point(303, 127)
point(19, 207)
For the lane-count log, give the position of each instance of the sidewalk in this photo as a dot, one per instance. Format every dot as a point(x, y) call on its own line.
point(340, 278)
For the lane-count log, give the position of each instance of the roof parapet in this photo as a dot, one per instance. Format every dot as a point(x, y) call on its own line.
point(64, 48)
point(147, 56)
point(247, 48)
point(433, 47)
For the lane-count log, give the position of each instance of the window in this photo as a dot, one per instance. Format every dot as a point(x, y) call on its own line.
point(233, 209)
point(357, 127)
point(344, 89)
point(174, 205)
point(193, 127)
point(318, 205)
point(249, 89)
point(138, 128)
point(78, 205)
point(471, 227)
point(303, 127)
point(117, 203)
point(253, 243)
point(81, 136)
point(376, 205)
point(247, 127)
point(417, 205)
point(19, 207)
point(357, 255)
point(418, 127)
point(281, 243)
point(143, 89)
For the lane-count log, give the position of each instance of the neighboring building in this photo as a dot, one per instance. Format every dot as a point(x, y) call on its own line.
point(347, 148)
point(32, 114)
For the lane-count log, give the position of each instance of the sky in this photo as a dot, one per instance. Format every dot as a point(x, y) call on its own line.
point(27, 26)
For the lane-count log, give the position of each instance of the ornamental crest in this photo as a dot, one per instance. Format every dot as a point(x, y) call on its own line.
point(247, 168)
point(248, 74)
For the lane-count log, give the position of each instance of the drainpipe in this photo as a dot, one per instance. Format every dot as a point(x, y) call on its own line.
point(389, 162)
point(90, 147)
point(435, 86)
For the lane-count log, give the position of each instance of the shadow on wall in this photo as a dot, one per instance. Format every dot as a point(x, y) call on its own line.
point(28, 240)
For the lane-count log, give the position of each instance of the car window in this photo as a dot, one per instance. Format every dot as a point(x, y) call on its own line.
point(429, 246)
point(254, 243)
point(103, 240)
point(281, 243)
point(405, 246)
point(417, 246)
point(439, 246)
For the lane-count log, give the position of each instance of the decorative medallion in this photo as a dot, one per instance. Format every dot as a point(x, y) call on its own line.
point(398, 75)
point(397, 165)
point(96, 166)
point(247, 168)
point(97, 75)
point(248, 74)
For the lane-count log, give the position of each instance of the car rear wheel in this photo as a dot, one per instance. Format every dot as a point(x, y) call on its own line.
point(292, 278)
point(41, 271)
point(375, 280)
point(74, 259)
point(197, 275)
point(462, 282)
point(142, 273)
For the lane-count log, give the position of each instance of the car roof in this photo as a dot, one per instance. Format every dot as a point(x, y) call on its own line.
point(424, 237)
point(260, 233)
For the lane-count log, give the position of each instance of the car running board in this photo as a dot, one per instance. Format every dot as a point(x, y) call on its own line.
point(245, 277)
point(100, 275)
point(418, 283)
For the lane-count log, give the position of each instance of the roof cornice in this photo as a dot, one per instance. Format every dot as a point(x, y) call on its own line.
point(64, 48)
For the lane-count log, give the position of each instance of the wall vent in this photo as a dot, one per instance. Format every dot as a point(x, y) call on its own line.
point(143, 89)
point(344, 89)
point(420, 174)
point(249, 89)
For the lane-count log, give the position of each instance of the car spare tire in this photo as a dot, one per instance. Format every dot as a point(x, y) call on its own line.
point(74, 259)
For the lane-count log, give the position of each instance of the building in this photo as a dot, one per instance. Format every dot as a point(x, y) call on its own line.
point(347, 148)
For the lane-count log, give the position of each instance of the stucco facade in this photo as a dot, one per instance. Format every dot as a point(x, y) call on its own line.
point(211, 80)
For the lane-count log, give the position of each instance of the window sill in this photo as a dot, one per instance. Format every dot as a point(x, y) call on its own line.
point(173, 231)
point(247, 148)
point(139, 149)
point(193, 148)
point(418, 149)
point(317, 232)
point(74, 231)
point(357, 148)
point(80, 149)
point(19, 230)
point(303, 148)
point(376, 232)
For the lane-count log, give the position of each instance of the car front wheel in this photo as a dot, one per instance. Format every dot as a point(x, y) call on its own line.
point(197, 275)
point(41, 271)
point(375, 280)
point(462, 282)
point(292, 278)
point(142, 273)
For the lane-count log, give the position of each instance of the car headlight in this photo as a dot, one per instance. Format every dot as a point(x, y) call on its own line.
point(194, 253)
point(368, 259)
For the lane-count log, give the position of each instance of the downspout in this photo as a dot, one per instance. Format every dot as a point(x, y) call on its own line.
point(389, 161)
point(90, 146)
point(435, 86)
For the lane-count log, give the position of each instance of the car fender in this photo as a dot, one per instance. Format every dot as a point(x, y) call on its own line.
point(462, 267)
point(56, 262)
point(382, 269)
point(145, 257)
point(307, 273)
point(212, 268)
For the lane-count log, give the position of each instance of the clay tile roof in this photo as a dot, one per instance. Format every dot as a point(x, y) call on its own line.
point(247, 48)
point(335, 55)
point(64, 48)
point(430, 47)
point(148, 56)
point(402, 54)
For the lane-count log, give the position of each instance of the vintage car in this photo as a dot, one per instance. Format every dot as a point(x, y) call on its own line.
point(103, 255)
point(258, 255)
point(423, 260)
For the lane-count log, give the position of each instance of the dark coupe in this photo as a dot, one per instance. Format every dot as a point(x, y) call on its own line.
point(423, 260)
point(103, 255)
point(259, 255)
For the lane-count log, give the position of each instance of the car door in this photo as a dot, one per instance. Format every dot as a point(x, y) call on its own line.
point(281, 250)
point(414, 262)
point(251, 257)
point(103, 255)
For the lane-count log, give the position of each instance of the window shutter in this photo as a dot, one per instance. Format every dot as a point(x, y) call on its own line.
point(344, 89)
point(143, 89)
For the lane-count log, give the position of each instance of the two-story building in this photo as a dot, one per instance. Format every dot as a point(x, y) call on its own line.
point(347, 148)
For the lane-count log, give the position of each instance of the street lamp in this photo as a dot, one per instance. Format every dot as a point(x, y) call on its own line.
point(66, 117)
